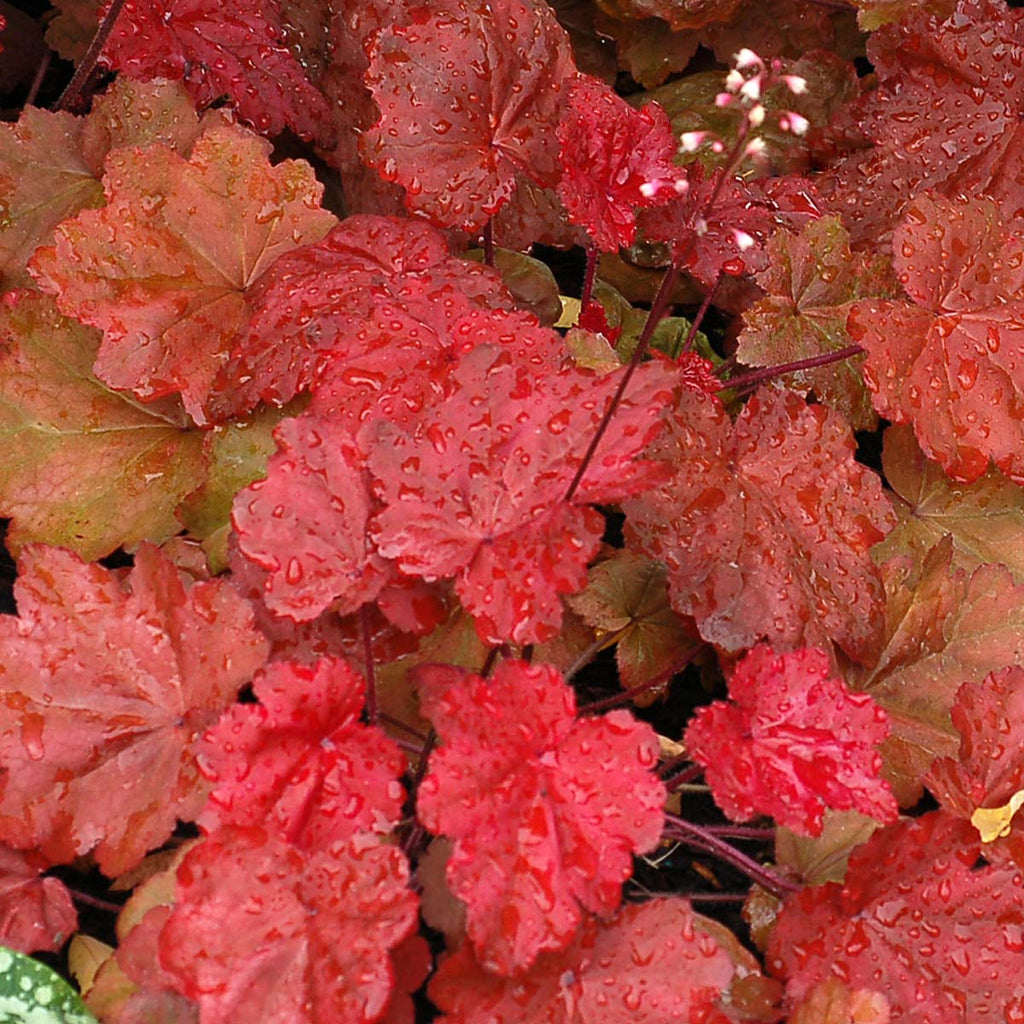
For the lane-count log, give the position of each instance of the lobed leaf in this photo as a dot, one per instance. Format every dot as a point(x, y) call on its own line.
point(262, 930)
point(653, 962)
point(947, 360)
point(107, 686)
point(299, 762)
point(88, 467)
point(916, 920)
point(511, 539)
point(164, 268)
point(791, 742)
point(468, 95)
point(766, 525)
point(545, 810)
point(236, 51)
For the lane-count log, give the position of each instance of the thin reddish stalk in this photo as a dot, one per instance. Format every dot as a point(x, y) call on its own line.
point(489, 244)
point(371, 677)
point(618, 699)
point(654, 317)
point(91, 901)
point(411, 842)
point(705, 305)
point(591, 651)
point(699, 837)
point(72, 96)
point(751, 832)
point(672, 775)
point(37, 82)
point(755, 377)
point(397, 723)
point(716, 897)
point(587, 295)
point(658, 310)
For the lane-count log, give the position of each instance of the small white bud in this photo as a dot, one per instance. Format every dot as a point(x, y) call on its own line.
point(718, 146)
point(746, 58)
point(723, 99)
point(795, 84)
point(649, 189)
point(755, 147)
point(793, 122)
point(751, 89)
point(689, 142)
point(681, 185)
point(734, 80)
point(743, 240)
point(756, 116)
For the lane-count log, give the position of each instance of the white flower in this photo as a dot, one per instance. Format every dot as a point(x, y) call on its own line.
point(746, 58)
point(751, 89)
point(689, 142)
point(743, 240)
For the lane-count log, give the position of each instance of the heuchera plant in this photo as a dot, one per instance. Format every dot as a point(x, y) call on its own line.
point(398, 634)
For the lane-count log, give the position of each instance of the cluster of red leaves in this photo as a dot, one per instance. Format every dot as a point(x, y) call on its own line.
point(392, 476)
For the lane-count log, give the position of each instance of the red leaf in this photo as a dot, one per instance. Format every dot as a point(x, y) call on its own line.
point(989, 715)
point(545, 810)
point(264, 931)
point(403, 361)
point(792, 742)
point(470, 93)
point(106, 688)
point(300, 763)
point(947, 361)
point(305, 524)
point(655, 962)
point(944, 116)
point(36, 913)
point(766, 525)
point(164, 268)
point(510, 539)
point(237, 50)
point(320, 298)
point(614, 159)
point(915, 920)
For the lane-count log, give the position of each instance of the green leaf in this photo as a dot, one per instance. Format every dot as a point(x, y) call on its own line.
point(30, 993)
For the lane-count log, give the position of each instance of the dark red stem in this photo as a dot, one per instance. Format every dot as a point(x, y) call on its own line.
point(670, 771)
point(592, 650)
point(748, 380)
point(618, 699)
point(751, 832)
point(699, 837)
point(705, 305)
point(587, 295)
point(371, 678)
point(72, 96)
point(397, 723)
point(658, 308)
point(416, 833)
point(488, 244)
point(92, 901)
point(37, 82)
